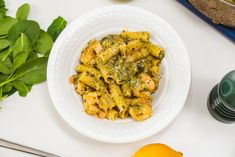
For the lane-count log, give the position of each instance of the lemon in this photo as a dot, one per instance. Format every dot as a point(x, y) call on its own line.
point(157, 150)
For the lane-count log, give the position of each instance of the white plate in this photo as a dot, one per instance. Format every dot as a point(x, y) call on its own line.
point(169, 99)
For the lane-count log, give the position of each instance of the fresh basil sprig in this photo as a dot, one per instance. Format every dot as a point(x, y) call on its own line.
point(24, 50)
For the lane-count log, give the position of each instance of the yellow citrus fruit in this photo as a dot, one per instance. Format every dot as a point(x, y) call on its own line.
point(157, 150)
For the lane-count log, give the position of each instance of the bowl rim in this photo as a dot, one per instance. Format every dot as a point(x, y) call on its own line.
point(170, 118)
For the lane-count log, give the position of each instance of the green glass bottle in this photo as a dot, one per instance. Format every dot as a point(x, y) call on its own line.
point(221, 100)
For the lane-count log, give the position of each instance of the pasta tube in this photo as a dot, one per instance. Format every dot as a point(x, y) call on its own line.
point(138, 55)
point(112, 114)
point(109, 53)
point(156, 51)
point(90, 69)
point(144, 36)
point(117, 96)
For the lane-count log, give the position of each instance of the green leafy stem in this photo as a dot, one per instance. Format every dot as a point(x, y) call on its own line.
point(24, 50)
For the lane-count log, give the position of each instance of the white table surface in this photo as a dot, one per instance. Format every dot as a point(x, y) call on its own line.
point(33, 120)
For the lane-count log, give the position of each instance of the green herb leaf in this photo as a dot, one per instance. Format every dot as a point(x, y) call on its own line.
point(44, 43)
point(3, 9)
point(30, 28)
point(23, 12)
point(33, 55)
point(29, 87)
point(20, 59)
point(6, 54)
point(6, 65)
point(21, 51)
point(57, 27)
point(7, 94)
point(4, 44)
point(7, 87)
point(1, 97)
point(3, 36)
point(23, 90)
point(3, 77)
point(22, 44)
point(6, 24)
point(31, 72)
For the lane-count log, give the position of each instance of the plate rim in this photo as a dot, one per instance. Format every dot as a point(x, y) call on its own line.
point(70, 121)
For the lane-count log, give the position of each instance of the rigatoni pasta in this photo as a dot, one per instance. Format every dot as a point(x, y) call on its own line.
point(118, 75)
